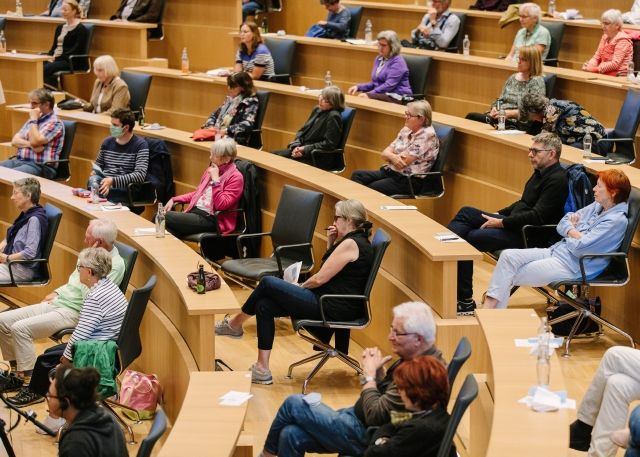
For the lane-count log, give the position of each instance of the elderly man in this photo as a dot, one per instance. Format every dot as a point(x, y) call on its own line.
point(40, 139)
point(139, 11)
point(542, 202)
point(301, 426)
point(437, 29)
point(58, 310)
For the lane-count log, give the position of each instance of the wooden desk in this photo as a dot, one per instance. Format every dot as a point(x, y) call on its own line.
point(499, 425)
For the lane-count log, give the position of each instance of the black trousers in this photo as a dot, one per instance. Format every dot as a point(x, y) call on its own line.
point(386, 181)
point(195, 221)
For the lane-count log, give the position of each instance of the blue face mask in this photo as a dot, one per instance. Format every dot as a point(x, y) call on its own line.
point(116, 132)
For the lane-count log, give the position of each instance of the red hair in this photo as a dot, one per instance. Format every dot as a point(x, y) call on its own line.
point(617, 184)
point(424, 381)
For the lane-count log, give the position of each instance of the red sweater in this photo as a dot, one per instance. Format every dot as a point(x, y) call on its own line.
point(612, 56)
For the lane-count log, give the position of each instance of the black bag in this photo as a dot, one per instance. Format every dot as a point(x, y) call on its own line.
point(586, 326)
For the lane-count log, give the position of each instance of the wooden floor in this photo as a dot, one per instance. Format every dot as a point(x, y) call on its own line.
point(339, 387)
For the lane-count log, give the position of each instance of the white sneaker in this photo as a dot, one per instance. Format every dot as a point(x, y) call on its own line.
point(51, 423)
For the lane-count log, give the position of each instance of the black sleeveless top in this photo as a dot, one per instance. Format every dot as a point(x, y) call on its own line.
point(350, 280)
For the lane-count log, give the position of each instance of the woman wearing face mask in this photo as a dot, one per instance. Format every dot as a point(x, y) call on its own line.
point(109, 91)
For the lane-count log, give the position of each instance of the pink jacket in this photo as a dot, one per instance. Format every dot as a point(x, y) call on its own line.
point(226, 195)
point(612, 57)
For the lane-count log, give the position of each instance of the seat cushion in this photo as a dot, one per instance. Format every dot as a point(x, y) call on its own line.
point(254, 268)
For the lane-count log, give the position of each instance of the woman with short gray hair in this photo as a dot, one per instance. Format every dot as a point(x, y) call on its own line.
point(532, 32)
point(390, 74)
point(615, 49)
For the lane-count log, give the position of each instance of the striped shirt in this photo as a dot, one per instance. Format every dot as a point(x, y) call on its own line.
point(52, 129)
point(260, 57)
point(101, 315)
point(125, 163)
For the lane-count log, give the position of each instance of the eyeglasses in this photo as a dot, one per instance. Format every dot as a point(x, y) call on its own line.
point(535, 151)
point(394, 333)
point(606, 23)
point(524, 16)
point(335, 218)
point(408, 114)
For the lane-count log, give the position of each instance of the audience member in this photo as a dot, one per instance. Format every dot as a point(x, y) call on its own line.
point(69, 39)
point(532, 32)
point(337, 23)
point(423, 385)
point(570, 121)
point(542, 202)
point(604, 407)
point(300, 427)
point(109, 91)
point(321, 131)
point(251, 7)
point(55, 8)
point(139, 11)
point(597, 228)
point(344, 270)
point(390, 74)
point(414, 150)
point(26, 235)
point(236, 117)
point(253, 56)
point(123, 158)
point(614, 50)
point(40, 139)
point(438, 28)
point(528, 80)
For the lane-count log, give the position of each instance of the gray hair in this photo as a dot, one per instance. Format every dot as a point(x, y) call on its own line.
point(334, 96)
point(613, 16)
point(422, 108)
point(534, 103)
point(417, 318)
point(224, 147)
point(104, 229)
point(30, 187)
point(108, 64)
point(43, 95)
point(97, 259)
point(532, 9)
point(550, 141)
point(391, 37)
point(354, 211)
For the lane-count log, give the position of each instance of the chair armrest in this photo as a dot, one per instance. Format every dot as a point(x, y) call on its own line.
point(529, 231)
point(10, 264)
point(48, 162)
point(278, 252)
point(551, 62)
point(611, 255)
point(75, 57)
point(142, 187)
point(279, 78)
point(328, 296)
point(247, 236)
point(412, 191)
point(616, 140)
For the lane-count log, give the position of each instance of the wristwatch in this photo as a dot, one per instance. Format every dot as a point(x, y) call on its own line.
point(368, 379)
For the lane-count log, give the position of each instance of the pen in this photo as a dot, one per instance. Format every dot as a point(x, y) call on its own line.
point(449, 238)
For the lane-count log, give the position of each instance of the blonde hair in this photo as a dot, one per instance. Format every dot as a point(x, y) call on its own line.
point(532, 55)
point(74, 5)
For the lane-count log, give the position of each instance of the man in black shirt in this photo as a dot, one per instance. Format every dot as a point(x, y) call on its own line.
point(542, 202)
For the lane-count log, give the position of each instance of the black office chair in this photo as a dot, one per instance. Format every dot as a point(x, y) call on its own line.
point(138, 84)
point(79, 63)
point(460, 356)
point(62, 171)
point(283, 52)
point(550, 84)
point(3, 22)
point(356, 17)
point(556, 30)
point(157, 34)
point(333, 161)
point(291, 235)
point(456, 43)
point(467, 394)
point(255, 137)
point(158, 427)
point(621, 140)
point(304, 327)
point(433, 180)
point(418, 75)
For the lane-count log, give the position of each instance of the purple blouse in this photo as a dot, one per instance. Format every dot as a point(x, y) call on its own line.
point(393, 77)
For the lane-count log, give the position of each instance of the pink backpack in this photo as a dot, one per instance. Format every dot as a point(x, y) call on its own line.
point(140, 392)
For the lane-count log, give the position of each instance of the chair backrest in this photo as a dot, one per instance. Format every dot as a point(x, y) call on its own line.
point(356, 17)
point(158, 427)
point(629, 116)
point(295, 222)
point(456, 42)
point(274, 6)
point(556, 30)
point(418, 72)
point(3, 21)
point(53, 220)
point(380, 242)
point(86, 50)
point(460, 356)
point(347, 115)
point(139, 84)
point(129, 255)
point(283, 52)
point(158, 32)
point(633, 217)
point(433, 186)
point(467, 394)
point(62, 172)
point(129, 344)
point(255, 140)
point(636, 53)
point(550, 84)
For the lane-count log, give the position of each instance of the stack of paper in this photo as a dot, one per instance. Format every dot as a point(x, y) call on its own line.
point(543, 400)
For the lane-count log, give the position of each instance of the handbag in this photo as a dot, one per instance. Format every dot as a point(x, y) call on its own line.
point(204, 135)
point(140, 392)
point(586, 326)
point(211, 280)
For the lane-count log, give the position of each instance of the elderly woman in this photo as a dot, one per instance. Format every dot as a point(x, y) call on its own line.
point(27, 234)
point(220, 189)
point(337, 23)
point(344, 270)
point(531, 33)
point(414, 150)
point(109, 91)
point(323, 129)
point(528, 80)
point(566, 118)
point(615, 49)
point(390, 75)
point(237, 115)
point(253, 56)
point(424, 388)
point(70, 38)
point(596, 228)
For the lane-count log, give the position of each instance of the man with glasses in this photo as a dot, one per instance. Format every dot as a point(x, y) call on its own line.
point(438, 28)
point(303, 424)
point(542, 202)
point(40, 139)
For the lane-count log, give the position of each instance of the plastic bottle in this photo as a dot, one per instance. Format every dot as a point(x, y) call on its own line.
point(368, 31)
point(502, 118)
point(551, 9)
point(185, 61)
point(19, 8)
point(587, 142)
point(631, 72)
point(84, 9)
point(327, 79)
point(264, 25)
point(141, 117)
point(466, 45)
point(3, 42)
point(95, 195)
point(160, 222)
point(200, 284)
point(542, 366)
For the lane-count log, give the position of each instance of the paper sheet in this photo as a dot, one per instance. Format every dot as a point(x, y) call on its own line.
point(292, 273)
point(541, 399)
point(398, 207)
point(234, 398)
point(448, 237)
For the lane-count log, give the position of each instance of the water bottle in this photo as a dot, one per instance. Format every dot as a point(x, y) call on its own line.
point(327, 79)
point(368, 31)
point(587, 142)
point(551, 9)
point(160, 221)
point(466, 44)
point(502, 118)
point(185, 62)
point(19, 8)
point(84, 8)
point(542, 366)
point(3, 42)
point(200, 284)
point(141, 117)
point(631, 72)
point(95, 195)
point(264, 25)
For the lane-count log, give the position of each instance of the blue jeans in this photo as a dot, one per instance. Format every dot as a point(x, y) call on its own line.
point(634, 441)
point(299, 428)
point(32, 168)
point(249, 9)
point(275, 297)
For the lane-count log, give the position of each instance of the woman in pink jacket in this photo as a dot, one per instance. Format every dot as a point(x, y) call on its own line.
point(220, 189)
point(615, 49)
